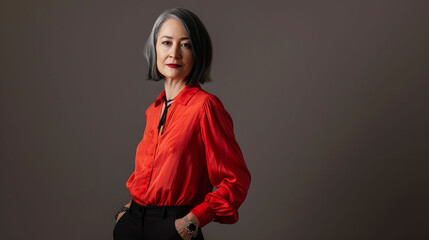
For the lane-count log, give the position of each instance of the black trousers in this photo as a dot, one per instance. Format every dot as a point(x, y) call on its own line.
point(150, 222)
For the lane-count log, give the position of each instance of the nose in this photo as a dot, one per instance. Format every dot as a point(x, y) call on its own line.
point(175, 52)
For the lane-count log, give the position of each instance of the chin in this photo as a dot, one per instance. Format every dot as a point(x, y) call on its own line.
point(174, 76)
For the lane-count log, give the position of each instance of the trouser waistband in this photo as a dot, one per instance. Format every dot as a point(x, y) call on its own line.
point(159, 211)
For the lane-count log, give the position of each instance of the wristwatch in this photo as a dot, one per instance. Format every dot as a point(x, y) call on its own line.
point(191, 227)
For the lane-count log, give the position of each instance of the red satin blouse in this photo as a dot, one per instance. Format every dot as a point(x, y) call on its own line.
point(195, 152)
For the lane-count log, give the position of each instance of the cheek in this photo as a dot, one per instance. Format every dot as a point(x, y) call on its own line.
point(160, 53)
point(158, 56)
point(159, 59)
point(191, 64)
point(190, 59)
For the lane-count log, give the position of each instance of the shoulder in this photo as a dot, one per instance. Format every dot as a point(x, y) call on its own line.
point(213, 108)
point(150, 109)
point(208, 99)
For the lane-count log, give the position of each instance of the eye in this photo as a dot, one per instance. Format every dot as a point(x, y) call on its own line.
point(186, 45)
point(166, 43)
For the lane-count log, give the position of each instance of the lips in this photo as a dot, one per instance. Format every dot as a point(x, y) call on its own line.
point(173, 65)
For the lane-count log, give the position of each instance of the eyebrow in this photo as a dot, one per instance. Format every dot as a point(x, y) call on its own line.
point(183, 38)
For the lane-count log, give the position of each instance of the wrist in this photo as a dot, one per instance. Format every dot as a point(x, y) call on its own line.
point(193, 218)
point(191, 226)
point(123, 209)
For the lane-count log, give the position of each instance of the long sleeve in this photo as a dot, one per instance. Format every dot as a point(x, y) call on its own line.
point(225, 164)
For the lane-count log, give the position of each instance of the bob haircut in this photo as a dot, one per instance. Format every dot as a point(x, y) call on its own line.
point(200, 43)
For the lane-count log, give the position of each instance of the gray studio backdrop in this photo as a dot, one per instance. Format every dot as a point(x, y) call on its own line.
point(329, 101)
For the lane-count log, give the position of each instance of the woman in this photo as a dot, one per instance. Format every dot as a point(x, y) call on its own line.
point(188, 145)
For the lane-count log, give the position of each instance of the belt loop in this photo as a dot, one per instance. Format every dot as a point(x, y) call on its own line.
point(163, 212)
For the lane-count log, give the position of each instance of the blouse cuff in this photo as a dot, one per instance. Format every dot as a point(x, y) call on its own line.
point(204, 213)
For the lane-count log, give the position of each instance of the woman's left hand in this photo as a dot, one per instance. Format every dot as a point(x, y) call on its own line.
point(180, 228)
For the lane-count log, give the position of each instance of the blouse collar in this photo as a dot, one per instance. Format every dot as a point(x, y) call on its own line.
point(184, 95)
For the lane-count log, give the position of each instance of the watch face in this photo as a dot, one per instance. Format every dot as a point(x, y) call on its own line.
point(192, 227)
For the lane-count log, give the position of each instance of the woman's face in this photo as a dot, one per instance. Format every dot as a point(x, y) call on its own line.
point(174, 57)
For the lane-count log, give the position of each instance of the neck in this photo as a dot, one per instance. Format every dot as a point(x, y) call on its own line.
point(173, 87)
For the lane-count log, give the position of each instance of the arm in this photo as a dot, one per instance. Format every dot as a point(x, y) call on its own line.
point(226, 167)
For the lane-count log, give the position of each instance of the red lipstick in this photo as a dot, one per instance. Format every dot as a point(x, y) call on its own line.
point(173, 65)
